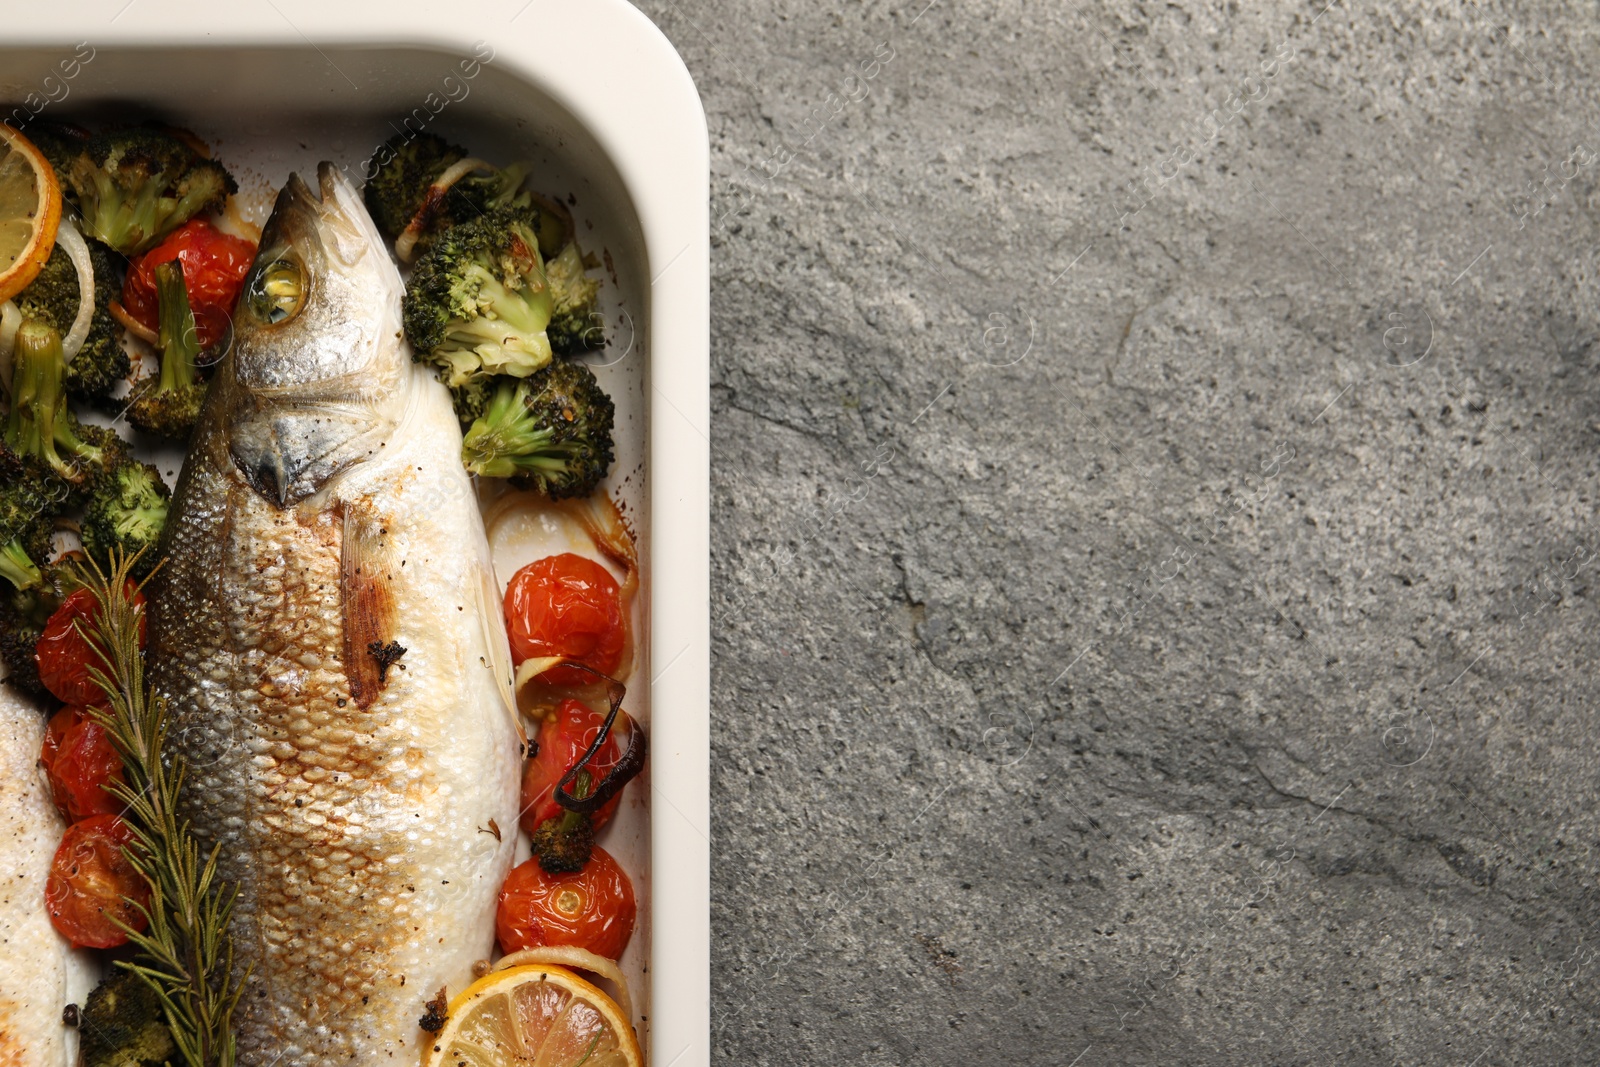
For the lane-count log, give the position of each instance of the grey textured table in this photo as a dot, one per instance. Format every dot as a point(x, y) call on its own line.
point(1154, 465)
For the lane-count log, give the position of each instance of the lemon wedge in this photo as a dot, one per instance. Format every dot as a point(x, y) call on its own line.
point(30, 211)
point(538, 1015)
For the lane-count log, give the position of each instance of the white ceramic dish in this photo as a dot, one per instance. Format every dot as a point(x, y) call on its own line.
point(595, 96)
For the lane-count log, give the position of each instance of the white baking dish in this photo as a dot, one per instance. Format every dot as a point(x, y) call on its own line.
point(596, 98)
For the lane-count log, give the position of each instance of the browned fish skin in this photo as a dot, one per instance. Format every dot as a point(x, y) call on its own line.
point(350, 825)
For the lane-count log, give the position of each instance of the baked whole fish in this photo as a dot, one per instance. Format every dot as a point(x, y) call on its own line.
point(366, 804)
point(40, 974)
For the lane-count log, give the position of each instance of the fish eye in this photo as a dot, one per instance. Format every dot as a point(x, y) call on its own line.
point(277, 291)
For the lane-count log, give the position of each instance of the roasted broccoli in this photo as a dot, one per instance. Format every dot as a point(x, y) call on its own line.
point(172, 405)
point(30, 496)
point(127, 509)
point(122, 1025)
point(52, 298)
point(551, 432)
point(59, 144)
point(564, 843)
point(471, 397)
point(41, 426)
point(575, 322)
point(23, 614)
point(405, 179)
point(137, 185)
point(478, 303)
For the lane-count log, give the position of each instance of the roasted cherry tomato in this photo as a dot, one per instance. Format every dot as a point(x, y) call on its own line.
point(55, 730)
point(567, 606)
point(592, 909)
point(92, 883)
point(65, 656)
point(562, 739)
point(81, 763)
point(214, 266)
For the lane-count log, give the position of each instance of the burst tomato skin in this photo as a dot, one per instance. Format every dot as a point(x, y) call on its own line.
point(64, 656)
point(91, 882)
point(592, 909)
point(562, 739)
point(214, 265)
point(566, 605)
point(81, 763)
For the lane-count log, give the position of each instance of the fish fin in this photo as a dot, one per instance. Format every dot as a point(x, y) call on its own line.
point(367, 603)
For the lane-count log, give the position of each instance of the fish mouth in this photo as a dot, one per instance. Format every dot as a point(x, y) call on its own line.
point(333, 225)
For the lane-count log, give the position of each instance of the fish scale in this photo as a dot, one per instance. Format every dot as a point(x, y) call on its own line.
point(314, 516)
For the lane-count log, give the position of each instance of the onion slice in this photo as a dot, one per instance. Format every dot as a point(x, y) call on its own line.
point(533, 667)
point(72, 242)
point(10, 322)
point(133, 325)
point(580, 959)
point(406, 244)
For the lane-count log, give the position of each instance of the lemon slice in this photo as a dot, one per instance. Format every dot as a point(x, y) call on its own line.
point(30, 211)
point(534, 1016)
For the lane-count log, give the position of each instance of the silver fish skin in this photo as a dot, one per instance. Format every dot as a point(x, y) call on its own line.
point(367, 813)
point(40, 973)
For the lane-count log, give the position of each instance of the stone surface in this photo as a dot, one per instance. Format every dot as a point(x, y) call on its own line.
point(1154, 476)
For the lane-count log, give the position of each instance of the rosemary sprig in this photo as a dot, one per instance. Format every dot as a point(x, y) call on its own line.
point(186, 952)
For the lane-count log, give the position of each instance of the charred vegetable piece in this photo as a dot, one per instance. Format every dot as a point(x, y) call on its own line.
point(127, 510)
point(551, 432)
point(172, 406)
point(564, 843)
point(478, 303)
point(30, 496)
point(40, 426)
point(406, 187)
point(122, 1025)
point(53, 299)
point(576, 324)
point(135, 186)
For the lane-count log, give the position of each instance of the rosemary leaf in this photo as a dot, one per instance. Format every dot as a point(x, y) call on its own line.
point(185, 952)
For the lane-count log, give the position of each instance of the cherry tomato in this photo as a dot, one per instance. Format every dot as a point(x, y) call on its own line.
point(214, 266)
point(55, 730)
point(81, 763)
point(562, 738)
point(91, 883)
point(568, 606)
point(65, 656)
point(592, 909)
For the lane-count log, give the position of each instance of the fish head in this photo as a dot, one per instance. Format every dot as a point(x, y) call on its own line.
point(318, 366)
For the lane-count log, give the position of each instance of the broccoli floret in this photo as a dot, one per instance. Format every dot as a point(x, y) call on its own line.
point(575, 323)
point(404, 185)
point(396, 187)
point(564, 843)
point(551, 432)
point(122, 1025)
point(52, 298)
point(470, 398)
point(59, 144)
point(137, 185)
point(30, 496)
point(23, 614)
point(41, 426)
point(16, 566)
point(126, 511)
point(172, 406)
point(478, 303)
